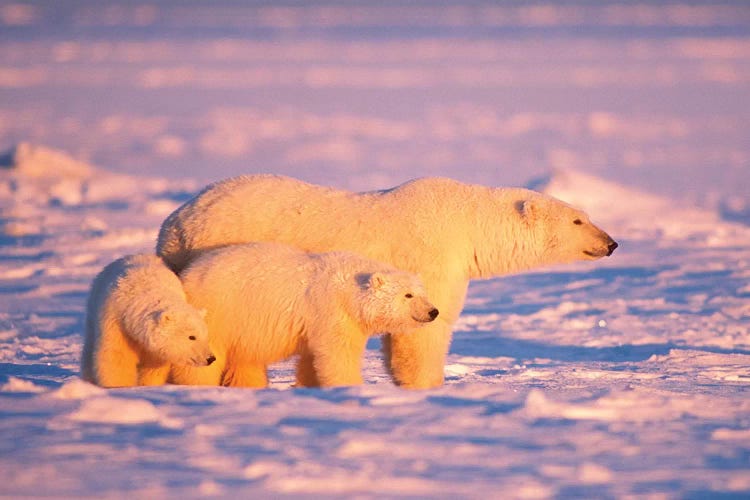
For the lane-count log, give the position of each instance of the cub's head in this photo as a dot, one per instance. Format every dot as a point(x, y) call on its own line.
point(179, 336)
point(393, 301)
point(563, 233)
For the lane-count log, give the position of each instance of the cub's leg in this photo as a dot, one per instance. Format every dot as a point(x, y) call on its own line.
point(245, 375)
point(416, 359)
point(115, 359)
point(337, 357)
point(153, 374)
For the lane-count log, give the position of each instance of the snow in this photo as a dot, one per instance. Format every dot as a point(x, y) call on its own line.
point(626, 377)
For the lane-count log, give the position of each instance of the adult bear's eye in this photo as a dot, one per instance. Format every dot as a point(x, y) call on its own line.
point(408, 295)
point(578, 222)
point(192, 337)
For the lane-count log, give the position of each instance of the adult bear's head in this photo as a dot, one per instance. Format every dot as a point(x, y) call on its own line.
point(561, 232)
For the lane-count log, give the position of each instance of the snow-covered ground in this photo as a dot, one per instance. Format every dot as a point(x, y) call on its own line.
point(628, 377)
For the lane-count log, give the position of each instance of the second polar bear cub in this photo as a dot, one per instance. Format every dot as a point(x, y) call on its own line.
point(267, 301)
point(138, 323)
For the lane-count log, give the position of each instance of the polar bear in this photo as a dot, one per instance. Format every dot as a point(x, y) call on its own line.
point(268, 301)
point(445, 231)
point(138, 323)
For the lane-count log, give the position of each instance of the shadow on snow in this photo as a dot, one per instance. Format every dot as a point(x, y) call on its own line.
point(465, 345)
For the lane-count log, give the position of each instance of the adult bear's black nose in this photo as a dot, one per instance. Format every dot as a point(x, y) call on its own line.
point(612, 247)
point(210, 359)
point(433, 313)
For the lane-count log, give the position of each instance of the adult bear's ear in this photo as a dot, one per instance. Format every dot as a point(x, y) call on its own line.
point(525, 208)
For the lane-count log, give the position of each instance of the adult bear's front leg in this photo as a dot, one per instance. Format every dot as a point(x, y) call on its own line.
point(416, 359)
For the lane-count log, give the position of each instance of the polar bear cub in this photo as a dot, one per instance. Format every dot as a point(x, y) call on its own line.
point(138, 324)
point(267, 301)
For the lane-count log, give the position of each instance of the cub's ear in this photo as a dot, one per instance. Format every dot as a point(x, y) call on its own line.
point(377, 280)
point(202, 312)
point(162, 318)
point(525, 208)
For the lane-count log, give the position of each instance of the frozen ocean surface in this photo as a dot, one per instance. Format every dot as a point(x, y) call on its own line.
point(624, 378)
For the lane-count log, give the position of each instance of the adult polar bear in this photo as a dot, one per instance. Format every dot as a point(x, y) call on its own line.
point(443, 230)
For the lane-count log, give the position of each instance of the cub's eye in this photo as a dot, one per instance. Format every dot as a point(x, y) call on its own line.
point(408, 295)
point(192, 337)
point(578, 222)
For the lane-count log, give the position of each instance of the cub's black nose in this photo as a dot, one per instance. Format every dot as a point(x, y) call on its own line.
point(433, 314)
point(210, 359)
point(612, 247)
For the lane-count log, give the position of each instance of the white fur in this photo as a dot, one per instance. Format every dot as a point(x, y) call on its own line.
point(268, 301)
point(138, 323)
point(445, 231)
